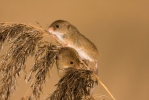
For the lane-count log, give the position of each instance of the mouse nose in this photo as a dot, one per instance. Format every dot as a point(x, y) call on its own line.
point(51, 29)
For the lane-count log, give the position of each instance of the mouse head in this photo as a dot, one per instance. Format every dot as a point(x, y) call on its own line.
point(67, 58)
point(63, 63)
point(59, 27)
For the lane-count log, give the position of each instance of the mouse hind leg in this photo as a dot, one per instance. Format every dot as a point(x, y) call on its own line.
point(95, 69)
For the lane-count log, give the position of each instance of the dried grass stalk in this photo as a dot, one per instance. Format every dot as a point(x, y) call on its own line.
point(22, 32)
point(44, 60)
point(75, 85)
point(24, 40)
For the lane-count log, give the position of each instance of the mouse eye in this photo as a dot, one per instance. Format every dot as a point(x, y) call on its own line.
point(71, 62)
point(57, 26)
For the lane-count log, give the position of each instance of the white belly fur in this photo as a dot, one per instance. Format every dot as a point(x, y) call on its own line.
point(81, 52)
point(83, 55)
point(59, 36)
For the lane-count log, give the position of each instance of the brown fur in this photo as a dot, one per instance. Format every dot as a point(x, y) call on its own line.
point(74, 37)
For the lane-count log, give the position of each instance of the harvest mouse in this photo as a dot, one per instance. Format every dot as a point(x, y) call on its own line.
point(66, 58)
point(69, 36)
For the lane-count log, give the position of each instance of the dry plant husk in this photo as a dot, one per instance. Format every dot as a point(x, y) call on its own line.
point(76, 84)
point(23, 40)
point(44, 60)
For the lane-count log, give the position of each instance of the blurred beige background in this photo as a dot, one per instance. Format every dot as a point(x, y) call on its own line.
point(119, 29)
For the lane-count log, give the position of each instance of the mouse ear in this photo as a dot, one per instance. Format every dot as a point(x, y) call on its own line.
point(67, 25)
point(58, 57)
